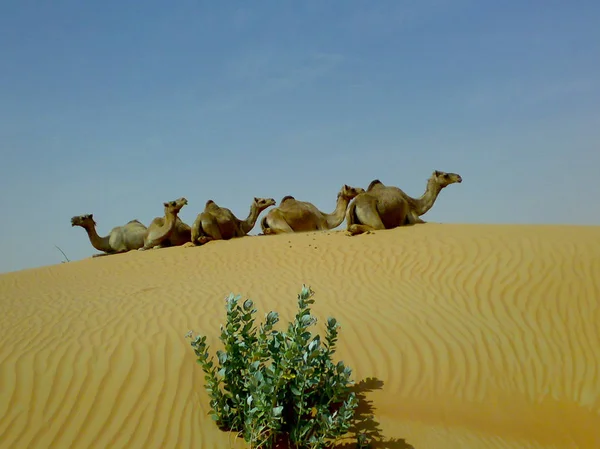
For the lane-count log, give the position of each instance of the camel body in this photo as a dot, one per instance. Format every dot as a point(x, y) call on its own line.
point(387, 207)
point(119, 240)
point(179, 235)
point(219, 223)
point(293, 215)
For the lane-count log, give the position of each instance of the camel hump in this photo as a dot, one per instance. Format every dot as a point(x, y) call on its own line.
point(375, 182)
point(287, 197)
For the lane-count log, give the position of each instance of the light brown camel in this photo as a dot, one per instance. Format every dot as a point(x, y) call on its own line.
point(387, 207)
point(219, 223)
point(162, 231)
point(120, 239)
point(300, 216)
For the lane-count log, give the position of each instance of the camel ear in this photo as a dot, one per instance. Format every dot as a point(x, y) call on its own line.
point(346, 186)
point(255, 200)
point(166, 204)
point(437, 173)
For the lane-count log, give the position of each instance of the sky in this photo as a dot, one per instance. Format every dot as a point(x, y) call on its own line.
point(115, 107)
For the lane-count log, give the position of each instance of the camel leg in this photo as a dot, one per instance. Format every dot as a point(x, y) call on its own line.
point(367, 220)
point(211, 231)
point(278, 225)
point(198, 242)
point(412, 218)
point(204, 230)
point(145, 248)
point(151, 245)
point(357, 229)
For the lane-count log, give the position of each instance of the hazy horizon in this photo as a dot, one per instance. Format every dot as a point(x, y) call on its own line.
point(114, 108)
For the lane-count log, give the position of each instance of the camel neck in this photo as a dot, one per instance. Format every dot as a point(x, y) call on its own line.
point(168, 226)
point(250, 220)
point(337, 216)
point(427, 200)
point(170, 220)
point(100, 243)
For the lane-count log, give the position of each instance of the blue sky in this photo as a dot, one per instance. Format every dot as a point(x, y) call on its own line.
point(113, 108)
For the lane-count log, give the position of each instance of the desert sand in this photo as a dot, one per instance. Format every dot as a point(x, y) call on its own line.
point(459, 336)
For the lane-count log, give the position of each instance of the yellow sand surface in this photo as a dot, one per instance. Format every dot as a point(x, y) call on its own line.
point(459, 336)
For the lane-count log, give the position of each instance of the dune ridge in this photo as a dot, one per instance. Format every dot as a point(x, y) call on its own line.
point(481, 336)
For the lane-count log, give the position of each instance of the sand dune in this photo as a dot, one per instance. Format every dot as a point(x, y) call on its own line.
point(473, 336)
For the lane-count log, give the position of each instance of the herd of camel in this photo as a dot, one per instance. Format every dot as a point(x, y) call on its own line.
point(379, 207)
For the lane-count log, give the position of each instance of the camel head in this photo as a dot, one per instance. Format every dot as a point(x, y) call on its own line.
point(444, 179)
point(175, 206)
point(349, 193)
point(262, 203)
point(85, 221)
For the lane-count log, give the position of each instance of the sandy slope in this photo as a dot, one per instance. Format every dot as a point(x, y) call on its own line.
point(476, 336)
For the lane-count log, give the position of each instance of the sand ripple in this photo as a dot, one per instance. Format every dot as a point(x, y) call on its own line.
point(483, 336)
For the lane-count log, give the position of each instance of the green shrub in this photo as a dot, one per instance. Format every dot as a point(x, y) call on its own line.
point(270, 385)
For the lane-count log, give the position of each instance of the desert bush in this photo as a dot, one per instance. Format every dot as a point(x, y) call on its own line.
point(270, 385)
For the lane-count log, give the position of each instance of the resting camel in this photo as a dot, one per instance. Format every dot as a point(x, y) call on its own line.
point(387, 207)
point(300, 216)
point(219, 223)
point(120, 239)
point(165, 231)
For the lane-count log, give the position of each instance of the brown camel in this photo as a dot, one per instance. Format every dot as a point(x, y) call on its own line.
point(300, 216)
point(163, 231)
point(120, 239)
point(387, 207)
point(219, 223)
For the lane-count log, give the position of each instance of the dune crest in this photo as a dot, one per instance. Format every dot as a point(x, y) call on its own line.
point(476, 336)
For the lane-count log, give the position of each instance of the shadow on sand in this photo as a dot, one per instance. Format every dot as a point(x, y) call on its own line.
point(365, 427)
point(365, 423)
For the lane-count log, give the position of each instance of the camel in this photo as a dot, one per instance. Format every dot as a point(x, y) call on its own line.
point(219, 223)
point(120, 239)
point(387, 207)
point(300, 216)
point(168, 230)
